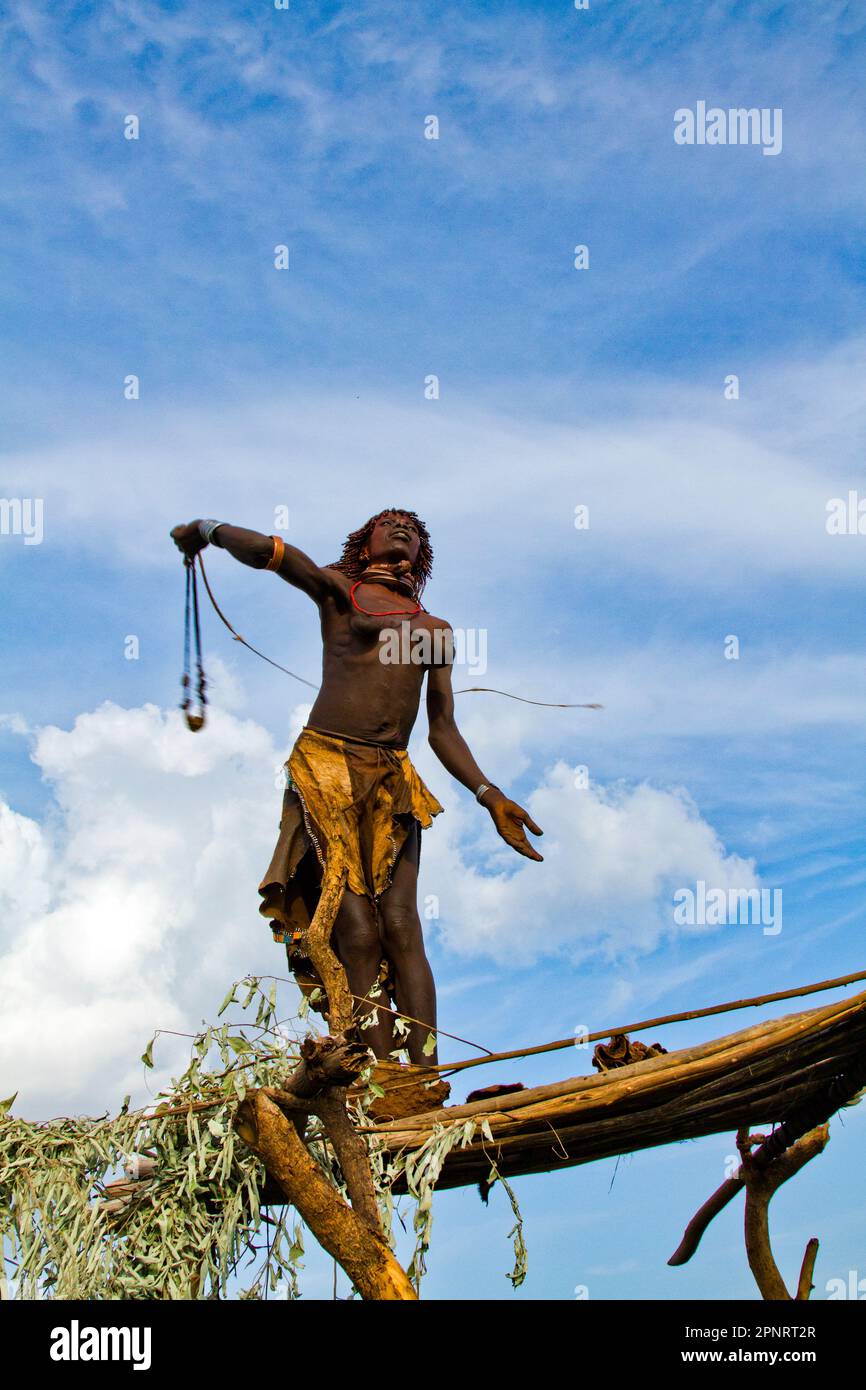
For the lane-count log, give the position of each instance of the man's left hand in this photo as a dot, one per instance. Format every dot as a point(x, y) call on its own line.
point(509, 819)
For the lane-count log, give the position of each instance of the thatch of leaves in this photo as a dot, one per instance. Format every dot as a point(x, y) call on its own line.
point(192, 1225)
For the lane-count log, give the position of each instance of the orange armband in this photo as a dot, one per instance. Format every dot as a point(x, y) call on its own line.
point(279, 551)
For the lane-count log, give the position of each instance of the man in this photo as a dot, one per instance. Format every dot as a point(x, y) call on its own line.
point(354, 802)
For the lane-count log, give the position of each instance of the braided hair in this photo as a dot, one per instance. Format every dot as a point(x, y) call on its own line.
point(351, 564)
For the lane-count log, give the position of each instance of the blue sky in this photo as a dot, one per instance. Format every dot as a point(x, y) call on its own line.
point(130, 853)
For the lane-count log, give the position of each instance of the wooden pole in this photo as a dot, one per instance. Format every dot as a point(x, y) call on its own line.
point(754, 1002)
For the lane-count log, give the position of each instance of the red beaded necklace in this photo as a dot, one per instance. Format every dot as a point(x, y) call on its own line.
point(387, 613)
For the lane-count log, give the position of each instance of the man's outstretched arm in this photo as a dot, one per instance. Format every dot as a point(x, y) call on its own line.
point(255, 549)
point(453, 753)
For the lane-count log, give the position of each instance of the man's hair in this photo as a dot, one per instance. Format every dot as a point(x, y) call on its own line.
point(351, 564)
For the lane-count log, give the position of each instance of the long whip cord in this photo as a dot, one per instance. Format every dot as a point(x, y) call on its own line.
point(191, 619)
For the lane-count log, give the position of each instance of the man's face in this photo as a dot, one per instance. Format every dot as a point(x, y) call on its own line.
point(394, 537)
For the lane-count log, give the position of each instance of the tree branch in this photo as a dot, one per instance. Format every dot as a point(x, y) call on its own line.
point(342, 1232)
point(352, 1157)
point(804, 1283)
point(817, 1111)
point(761, 1185)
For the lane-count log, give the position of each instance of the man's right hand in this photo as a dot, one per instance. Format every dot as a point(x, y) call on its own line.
point(188, 539)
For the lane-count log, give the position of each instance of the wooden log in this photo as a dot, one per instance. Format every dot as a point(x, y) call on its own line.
point(352, 1157)
point(659, 1077)
point(342, 1232)
point(756, 1076)
point(653, 1102)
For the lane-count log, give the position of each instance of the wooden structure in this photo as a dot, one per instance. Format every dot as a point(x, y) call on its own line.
point(805, 1064)
point(790, 1073)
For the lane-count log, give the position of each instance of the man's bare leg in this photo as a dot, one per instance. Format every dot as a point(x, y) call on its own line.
point(356, 942)
point(403, 944)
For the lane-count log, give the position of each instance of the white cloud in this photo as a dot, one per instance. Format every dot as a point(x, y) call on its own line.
point(612, 859)
point(134, 903)
point(23, 867)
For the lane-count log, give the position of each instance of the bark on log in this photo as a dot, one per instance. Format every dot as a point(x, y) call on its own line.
point(352, 1157)
point(337, 1060)
point(657, 1075)
point(342, 1232)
